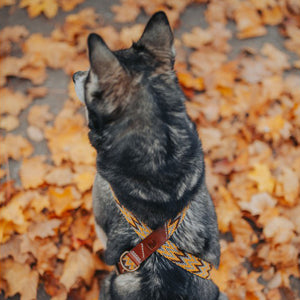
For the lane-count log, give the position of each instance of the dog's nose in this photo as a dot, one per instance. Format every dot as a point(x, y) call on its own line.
point(77, 75)
point(74, 76)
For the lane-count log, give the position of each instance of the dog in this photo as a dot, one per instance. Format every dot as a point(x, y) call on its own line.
point(149, 155)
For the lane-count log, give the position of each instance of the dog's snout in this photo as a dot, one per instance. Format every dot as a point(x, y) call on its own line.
point(77, 75)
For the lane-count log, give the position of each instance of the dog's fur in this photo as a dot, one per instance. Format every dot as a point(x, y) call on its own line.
point(149, 152)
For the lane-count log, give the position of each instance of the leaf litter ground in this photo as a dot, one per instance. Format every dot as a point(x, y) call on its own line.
point(247, 111)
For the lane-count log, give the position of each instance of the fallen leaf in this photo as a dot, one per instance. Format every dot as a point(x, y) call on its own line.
point(43, 229)
point(130, 34)
point(12, 248)
point(248, 21)
point(39, 115)
point(226, 209)
point(59, 176)
point(35, 133)
point(15, 147)
point(33, 171)
point(126, 12)
point(258, 203)
point(262, 176)
point(84, 181)
point(68, 140)
point(190, 82)
point(68, 5)
point(79, 265)
point(35, 8)
point(287, 186)
point(37, 92)
point(20, 279)
point(9, 122)
point(64, 199)
point(13, 102)
point(279, 229)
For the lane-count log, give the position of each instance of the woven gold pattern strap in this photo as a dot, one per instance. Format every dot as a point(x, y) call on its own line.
point(169, 250)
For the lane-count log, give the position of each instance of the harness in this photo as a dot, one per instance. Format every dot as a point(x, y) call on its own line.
point(158, 240)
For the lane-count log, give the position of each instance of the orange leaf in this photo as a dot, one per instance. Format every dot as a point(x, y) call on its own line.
point(188, 81)
point(79, 264)
point(20, 279)
point(64, 199)
point(262, 176)
point(33, 171)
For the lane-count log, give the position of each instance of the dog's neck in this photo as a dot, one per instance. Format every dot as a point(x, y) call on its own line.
point(153, 194)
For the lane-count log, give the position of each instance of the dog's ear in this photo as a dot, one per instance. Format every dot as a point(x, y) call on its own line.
point(102, 59)
point(158, 33)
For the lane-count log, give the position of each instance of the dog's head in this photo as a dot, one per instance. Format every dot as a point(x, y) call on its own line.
point(133, 84)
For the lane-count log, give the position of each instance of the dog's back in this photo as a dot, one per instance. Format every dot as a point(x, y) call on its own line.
point(149, 153)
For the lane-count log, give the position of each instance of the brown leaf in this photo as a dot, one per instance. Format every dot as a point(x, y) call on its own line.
point(37, 92)
point(84, 181)
point(43, 229)
point(262, 176)
point(258, 203)
point(68, 140)
point(33, 171)
point(126, 12)
point(248, 21)
point(35, 8)
point(14, 146)
point(9, 122)
point(20, 279)
point(13, 102)
point(60, 176)
point(79, 264)
point(39, 115)
point(279, 229)
point(68, 5)
point(55, 54)
point(13, 248)
point(64, 199)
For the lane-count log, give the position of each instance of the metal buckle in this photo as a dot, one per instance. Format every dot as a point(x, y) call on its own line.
point(123, 266)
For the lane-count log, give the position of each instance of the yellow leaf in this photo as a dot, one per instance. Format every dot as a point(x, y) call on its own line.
point(84, 181)
point(262, 176)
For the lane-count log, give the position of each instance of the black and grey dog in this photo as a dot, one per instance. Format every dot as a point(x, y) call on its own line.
point(149, 152)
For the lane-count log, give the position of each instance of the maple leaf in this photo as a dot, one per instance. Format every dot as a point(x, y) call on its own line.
point(279, 229)
point(36, 7)
point(68, 139)
point(43, 229)
point(126, 12)
point(39, 115)
point(248, 21)
point(60, 176)
point(11, 34)
point(13, 102)
point(20, 279)
point(54, 53)
point(64, 199)
point(9, 123)
point(79, 264)
point(262, 176)
point(15, 147)
point(33, 171)
point(226, 209)
point(258, 203)
point(84, 181)
point(68, 5)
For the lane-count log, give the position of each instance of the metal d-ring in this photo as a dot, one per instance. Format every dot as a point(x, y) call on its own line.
point(123, 266)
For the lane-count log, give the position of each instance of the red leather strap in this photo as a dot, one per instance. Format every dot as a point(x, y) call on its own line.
point(131, 260)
